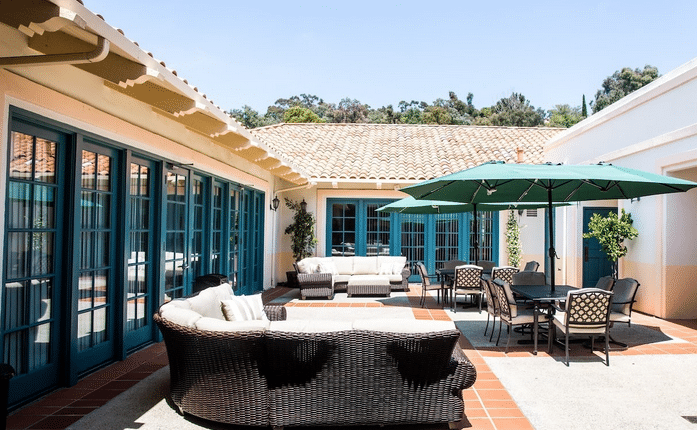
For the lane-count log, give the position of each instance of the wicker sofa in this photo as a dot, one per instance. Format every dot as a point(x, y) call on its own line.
point(279, 372)
point(322, 276)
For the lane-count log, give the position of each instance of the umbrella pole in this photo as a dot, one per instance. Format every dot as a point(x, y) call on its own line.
point(476, 234)
point(552, 252)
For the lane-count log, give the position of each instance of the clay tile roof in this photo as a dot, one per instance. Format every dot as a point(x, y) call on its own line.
point(400, 151)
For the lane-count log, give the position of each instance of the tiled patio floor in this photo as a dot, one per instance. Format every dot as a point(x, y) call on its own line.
point(488, 404)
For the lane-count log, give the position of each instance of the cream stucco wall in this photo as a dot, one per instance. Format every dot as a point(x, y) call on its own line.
point(655, 130)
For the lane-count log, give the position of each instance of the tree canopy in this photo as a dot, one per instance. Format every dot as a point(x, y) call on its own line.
point(621, 83)
point(512, 111)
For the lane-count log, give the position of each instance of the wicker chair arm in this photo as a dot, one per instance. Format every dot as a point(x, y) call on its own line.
point(275, 312)
point(406, 272)
point(314, 278)
point(466, 373)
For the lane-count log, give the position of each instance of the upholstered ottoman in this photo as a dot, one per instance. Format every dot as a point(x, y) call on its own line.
point(369, 284)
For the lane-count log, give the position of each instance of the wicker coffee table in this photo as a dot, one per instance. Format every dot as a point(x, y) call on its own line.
point(369, 285)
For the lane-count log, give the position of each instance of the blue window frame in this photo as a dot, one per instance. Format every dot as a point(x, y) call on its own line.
point(95, 237)
point(355, 228)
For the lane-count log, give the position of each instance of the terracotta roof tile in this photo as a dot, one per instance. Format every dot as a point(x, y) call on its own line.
point(399, 151)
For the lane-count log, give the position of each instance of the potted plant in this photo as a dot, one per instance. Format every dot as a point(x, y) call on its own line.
point(513, 240)
point(611, 231)
point(302, 235)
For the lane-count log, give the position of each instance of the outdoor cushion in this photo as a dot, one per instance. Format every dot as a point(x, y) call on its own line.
point(344, 265)
point(181, 316)
point(385, 269)
point(341, 278)
point(326, 265)
point(308, 265)
point(207, 304)
point(368, 280)
point(560, 321)
point(394, 278)
point(310, 326)
point(213, 324)
point(392, 325)
point(365, 265)
point(243, 308)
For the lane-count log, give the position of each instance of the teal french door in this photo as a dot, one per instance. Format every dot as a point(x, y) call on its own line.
point(96, 255)
point(34, 291)
point(595, 262)
point(177, 233)
point(355, 227)
point(141, 252)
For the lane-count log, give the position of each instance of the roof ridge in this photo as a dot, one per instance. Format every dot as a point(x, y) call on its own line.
point(367, 124)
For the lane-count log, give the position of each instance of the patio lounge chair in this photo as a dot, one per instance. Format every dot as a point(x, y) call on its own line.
point(587, 312)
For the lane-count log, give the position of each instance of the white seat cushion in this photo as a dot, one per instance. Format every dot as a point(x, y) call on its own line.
point(619, 317)
point(392, 325)
point(341, 278)
point(559, 318)
point(310, 326)
point(213, 324)
point(368, 280)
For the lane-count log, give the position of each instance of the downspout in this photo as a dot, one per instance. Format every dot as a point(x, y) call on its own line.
point(95, 56)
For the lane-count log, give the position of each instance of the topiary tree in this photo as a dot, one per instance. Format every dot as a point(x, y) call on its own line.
point(301, 231)
point(513, 240)
point(611, 231)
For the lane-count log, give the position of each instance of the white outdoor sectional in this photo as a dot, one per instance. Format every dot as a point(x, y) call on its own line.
point(322, 276)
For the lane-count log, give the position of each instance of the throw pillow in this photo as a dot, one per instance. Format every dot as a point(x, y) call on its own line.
point(244, 308)
point(236, 310)
point(397, 268)
point(386, 269)
point(255, 306)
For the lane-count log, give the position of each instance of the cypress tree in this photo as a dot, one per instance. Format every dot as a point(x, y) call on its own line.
point(584, 110)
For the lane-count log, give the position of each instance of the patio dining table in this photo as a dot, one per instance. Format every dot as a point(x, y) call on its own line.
point(542, 296)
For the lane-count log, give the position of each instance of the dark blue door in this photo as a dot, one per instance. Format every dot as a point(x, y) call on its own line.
point(595, 262)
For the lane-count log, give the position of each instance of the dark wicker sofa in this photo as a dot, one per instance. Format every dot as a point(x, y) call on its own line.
point(308, 373)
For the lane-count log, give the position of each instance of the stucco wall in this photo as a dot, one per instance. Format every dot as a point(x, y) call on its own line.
point(655, 130)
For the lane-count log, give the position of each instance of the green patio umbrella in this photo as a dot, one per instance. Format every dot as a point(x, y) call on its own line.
point(410, 205)
point(497, 182)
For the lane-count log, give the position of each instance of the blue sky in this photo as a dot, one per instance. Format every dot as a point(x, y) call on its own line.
point(381, 52)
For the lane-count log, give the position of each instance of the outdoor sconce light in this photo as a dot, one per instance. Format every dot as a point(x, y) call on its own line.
point(274, 203)
point(303, 205)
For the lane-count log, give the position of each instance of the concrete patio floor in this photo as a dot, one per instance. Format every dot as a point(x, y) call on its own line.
point(648, 386)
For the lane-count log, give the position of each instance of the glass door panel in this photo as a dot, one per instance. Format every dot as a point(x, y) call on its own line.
point(199, 264)
point(96, 257)
point(31, 286)
point(447, 239)
point(176, 258)
point(234, 237)
point(413, 228)
point(343, 240)
point(140, 281)
point(217, 224)
point(377, 231)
